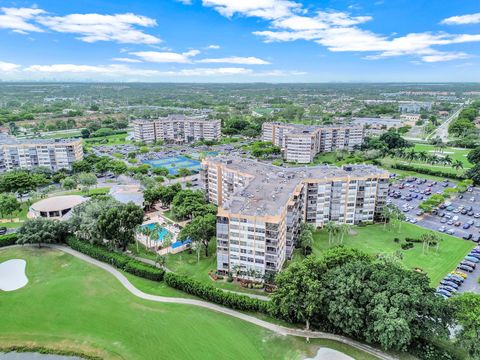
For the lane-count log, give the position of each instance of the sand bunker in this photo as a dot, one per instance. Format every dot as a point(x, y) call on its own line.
point(330, 354)
point(12, 275)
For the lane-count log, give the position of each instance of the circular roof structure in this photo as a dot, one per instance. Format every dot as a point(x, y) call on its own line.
point(58, 203)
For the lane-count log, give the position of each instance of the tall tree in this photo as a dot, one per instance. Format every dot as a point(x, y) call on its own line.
point(41, 231)
point(200, 230)
point(9, 205)
point(117, 224)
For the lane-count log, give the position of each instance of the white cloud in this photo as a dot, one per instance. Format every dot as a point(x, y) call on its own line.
point(18, 19)
point(339, 31)
point(97, 27)
point(235, 60)
point(213, 47)
point(462, 19)
point(166, 57)
point(444, 56)
point(8, 67)
point(126, 60)
point(185, 2)
point(266, 9)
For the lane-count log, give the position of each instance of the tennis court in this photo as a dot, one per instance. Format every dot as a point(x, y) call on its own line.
point(174, 163)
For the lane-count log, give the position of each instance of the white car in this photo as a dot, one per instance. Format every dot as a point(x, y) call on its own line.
point(442, 229)
point(451, 231)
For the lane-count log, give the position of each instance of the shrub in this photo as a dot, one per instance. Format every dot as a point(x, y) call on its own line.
point(118, 260)
point(143, 270)
point(7, 240)
point(429, 171)
point(212, 294)
point(397, 240)
point(407, 246)
point(412, 240)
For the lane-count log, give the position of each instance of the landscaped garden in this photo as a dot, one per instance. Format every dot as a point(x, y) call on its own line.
point(74, 306)
point(377, 239)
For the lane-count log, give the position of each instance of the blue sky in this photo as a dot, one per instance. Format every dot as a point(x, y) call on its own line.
point(240, 40)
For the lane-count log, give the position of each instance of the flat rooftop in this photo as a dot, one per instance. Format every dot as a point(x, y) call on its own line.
point(10, 140)
point(270, 187)
point(201, 118)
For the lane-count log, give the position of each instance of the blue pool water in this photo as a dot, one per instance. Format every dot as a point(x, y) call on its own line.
point(174, 163)
point(162, 232)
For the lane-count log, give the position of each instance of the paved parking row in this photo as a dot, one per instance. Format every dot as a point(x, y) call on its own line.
point(450, 219)
point(408, 194)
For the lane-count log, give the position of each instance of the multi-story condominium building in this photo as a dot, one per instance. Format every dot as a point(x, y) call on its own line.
point(54, 154)
point(261, 207)
point(300, 143)
point(176, 128)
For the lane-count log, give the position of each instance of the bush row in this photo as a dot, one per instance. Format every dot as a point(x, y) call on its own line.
point(120, 261)
point(429, 171)
point(7, 240)
point(212, 294)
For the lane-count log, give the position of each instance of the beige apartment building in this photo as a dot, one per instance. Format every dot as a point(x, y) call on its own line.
point(261, 206)
point(54, 154)
point(176, 128)
point(300, 143)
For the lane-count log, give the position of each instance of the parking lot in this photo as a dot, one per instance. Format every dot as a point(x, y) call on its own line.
point(458, 217)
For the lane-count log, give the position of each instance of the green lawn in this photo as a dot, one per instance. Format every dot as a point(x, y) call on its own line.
point(71, 305)
point(185, 263)
point(21, 215)
point(116, 139)
point(455, 153)
point(375, 239)
point(90, 192)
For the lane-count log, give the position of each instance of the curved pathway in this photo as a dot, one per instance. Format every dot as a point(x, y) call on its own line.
point(281, 330)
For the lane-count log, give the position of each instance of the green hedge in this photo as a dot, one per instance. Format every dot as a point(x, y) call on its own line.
point(8, 239)
point(428, 171)
point(120, 261)
point(212, 294)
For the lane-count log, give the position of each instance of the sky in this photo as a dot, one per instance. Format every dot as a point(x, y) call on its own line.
point(240, 40)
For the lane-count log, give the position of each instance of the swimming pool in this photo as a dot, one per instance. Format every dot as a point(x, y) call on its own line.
point(162, 232)
point(174, 163)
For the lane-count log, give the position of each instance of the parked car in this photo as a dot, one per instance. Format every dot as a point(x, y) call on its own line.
point(3, 230)
point(465, 268)
point(451, 231)
point(448, 288)
point(442, 229)
point(459, 273)
point(469, 263)
point(449, 283)
point(465, 226)
point(455, 278)
point(472, 259)
point(444, 293)
point(467, 237)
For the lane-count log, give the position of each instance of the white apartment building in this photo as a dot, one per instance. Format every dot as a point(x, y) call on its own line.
point(261, 206)
point(54, 154)
point(300, 143)
point(176, 128)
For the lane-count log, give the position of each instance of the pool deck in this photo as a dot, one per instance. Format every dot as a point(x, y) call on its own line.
point(157, 218)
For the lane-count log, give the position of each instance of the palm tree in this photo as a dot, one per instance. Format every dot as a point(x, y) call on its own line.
point(344, 229)
point(411, 155)
point(422, 155)
point(457, 165)
point(447, 160)
point(386, 215)
point(331, 229)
